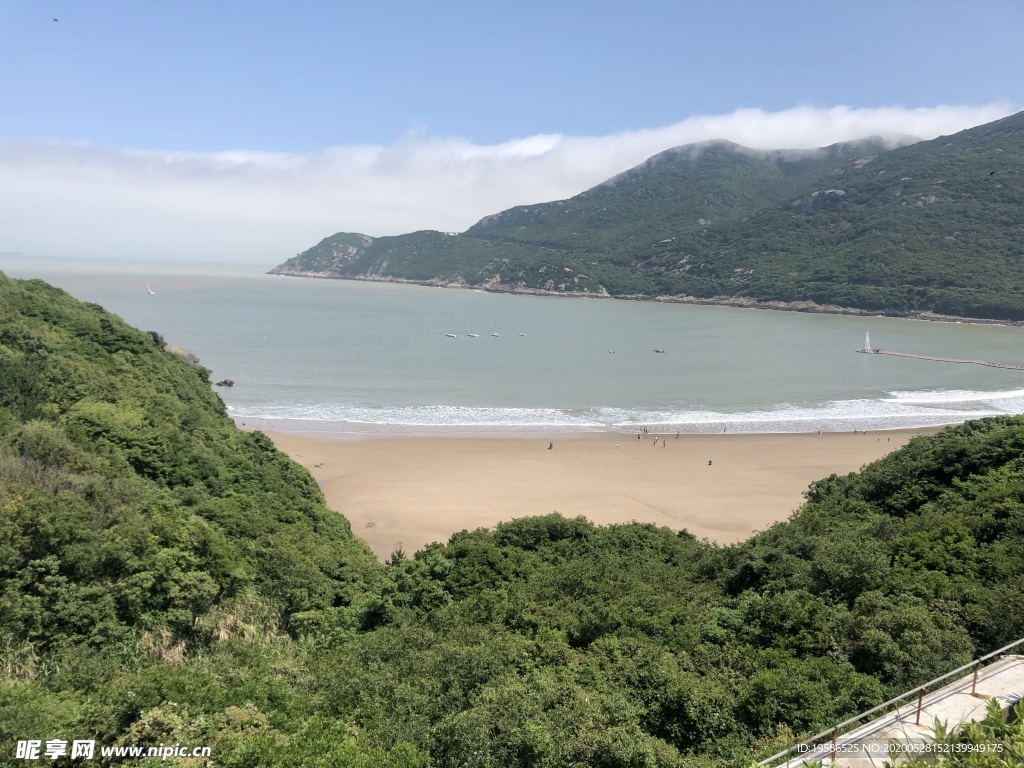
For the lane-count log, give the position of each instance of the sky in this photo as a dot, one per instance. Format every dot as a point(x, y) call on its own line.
point(247, 131)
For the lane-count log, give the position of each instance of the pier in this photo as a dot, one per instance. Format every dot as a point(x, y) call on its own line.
point(869, 350)
point(942, 359)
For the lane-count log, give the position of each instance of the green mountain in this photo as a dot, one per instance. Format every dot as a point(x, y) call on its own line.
point(933, 227)
point(168, 579)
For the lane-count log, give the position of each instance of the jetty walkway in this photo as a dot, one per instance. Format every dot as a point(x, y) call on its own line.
point(986, 363)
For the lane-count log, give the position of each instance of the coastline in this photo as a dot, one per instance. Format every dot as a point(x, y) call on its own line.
point(406, 491)
point(809, 307)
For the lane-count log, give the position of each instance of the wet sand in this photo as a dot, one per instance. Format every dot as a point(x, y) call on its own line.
point(408, 491)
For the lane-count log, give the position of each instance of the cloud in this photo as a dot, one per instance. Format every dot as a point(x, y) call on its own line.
point(83, 200)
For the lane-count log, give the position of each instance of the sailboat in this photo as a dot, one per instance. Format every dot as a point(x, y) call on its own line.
point(450, 335)
point(151, 291)
point(471, 334)
point(494, 332)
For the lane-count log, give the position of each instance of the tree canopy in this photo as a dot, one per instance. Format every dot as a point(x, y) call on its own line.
point(167, 578)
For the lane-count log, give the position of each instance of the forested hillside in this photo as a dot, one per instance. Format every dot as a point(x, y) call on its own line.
point(935, 227)
point(166, 578)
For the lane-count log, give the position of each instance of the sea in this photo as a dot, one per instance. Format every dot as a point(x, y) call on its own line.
point(353, 358)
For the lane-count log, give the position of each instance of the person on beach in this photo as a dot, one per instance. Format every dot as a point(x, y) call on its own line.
point(709, 462)
point(551, 445)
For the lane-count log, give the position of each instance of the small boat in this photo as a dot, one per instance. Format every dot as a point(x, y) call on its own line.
point(522, 334)
point(473, 335)
point(151, 291)
point(660, 351)
point(450, 335)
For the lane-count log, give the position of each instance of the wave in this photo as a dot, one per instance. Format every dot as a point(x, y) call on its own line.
point(899, 410)
point(955, 396)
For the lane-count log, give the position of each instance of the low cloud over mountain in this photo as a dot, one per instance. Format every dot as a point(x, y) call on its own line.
point(62, 199)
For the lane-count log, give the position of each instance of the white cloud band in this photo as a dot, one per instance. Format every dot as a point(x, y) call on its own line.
point(90, 201)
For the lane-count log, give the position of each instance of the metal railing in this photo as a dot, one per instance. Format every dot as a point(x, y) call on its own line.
point(920, 691)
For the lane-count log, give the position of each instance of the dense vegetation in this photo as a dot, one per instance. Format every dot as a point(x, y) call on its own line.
point(995, 741)
point(931, 227)
point(165, 578)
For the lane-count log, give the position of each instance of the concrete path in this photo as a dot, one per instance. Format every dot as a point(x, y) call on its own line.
point(952, 705)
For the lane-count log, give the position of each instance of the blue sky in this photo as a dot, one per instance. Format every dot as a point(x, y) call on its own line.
point(132, 108)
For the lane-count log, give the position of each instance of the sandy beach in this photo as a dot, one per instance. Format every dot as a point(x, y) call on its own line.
point(409, 491)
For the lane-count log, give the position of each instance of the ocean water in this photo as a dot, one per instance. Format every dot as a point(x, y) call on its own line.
point(343, 356)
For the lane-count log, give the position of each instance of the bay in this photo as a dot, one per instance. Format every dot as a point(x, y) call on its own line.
point(346, 356)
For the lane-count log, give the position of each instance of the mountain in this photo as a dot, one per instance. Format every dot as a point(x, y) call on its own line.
point(933, 227)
